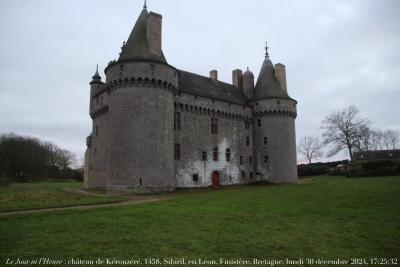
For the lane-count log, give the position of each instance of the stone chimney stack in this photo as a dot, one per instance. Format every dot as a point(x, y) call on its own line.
point(280, 73)
point(214, 75)
point(237, 78)
point(154, 25)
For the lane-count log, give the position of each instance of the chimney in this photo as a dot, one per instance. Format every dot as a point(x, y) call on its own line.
point(154, 23)
point(214, 75)
point(280, 73)
point(237, 78)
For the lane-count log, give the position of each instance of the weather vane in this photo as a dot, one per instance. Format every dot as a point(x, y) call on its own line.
point(266, 50)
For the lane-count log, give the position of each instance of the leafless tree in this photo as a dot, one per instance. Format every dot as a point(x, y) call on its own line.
point(390, 138)
point(376, 139)
point(342, 129)
point(364, 143)
point(310, 148)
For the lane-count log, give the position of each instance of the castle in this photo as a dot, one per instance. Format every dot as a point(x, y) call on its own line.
point(157, 128)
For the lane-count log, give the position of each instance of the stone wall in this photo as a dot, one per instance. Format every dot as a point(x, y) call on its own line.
point(195, 137)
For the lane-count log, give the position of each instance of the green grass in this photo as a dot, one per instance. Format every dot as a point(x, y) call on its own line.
point(330, 218)
point(21, 196)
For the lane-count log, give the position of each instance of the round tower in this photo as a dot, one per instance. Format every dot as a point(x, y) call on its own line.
point(141, 87)
point(248, 83)
point(274, 127)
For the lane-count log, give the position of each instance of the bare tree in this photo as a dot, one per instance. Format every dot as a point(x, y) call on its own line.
point(391, 138)
point(364, 143)
point(342, 129)
point(376, 139)
point(310, 148)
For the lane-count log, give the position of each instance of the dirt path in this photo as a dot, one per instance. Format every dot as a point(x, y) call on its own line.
point(131, 201)
point(84, 192)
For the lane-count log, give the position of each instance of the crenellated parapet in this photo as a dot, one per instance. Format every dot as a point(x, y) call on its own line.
point(275, 107)
point(204, 111)
point(143, 82)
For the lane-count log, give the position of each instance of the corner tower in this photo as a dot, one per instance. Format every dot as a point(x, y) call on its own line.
point(274, 126)
point(141, 87)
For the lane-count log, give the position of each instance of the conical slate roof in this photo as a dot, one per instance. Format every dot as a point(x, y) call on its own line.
point(137, 46)
point(268, 85)
point(96, 77)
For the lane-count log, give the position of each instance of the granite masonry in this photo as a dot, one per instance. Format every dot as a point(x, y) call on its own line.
point(157, 128)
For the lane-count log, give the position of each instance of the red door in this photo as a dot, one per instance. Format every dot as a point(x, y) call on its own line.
point(215, 179)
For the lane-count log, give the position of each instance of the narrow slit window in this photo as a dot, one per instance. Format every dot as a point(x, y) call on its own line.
point(265, 141)
point(204, 156)
point(228, 154)
point(214, 125)
point(177, 121)
point(177, 151)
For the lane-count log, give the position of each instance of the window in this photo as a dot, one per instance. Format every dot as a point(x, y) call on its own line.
point(250, 160)
point(140, 181)
point(177, 151)
point(97, 131)
point(214, 125)
point(243, 175)
point(241, 160)
point(177, 121)
point(247, 125)
point(195, 177)
point(266, 159)
point(247, 141)
point(215, 153)
point(265, 141)
point(204, 156)
point(259, 122)
point(228, 154)
point(251, 175)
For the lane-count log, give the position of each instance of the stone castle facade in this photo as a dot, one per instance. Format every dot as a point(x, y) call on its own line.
point(157, 128)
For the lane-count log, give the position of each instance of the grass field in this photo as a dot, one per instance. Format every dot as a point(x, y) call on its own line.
point(330, 218)
point(21, 196)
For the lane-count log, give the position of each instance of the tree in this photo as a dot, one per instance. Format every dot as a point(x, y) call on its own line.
point(364, 144)
point(390, 138)
point(343, 130)
point(27, 159)
point(310, 148)
point(376, 139)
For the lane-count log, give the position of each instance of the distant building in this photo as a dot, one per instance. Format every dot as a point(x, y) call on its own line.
point(377, 154)
point(157, 128)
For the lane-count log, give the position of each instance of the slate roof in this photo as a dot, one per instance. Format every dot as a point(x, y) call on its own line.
point(203, 86)
point(137, 46)
point(268, 85)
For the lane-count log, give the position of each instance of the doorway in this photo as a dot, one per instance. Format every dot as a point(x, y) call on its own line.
point(215, 179)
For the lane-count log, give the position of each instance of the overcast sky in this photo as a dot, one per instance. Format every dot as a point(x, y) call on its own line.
point(337, 53)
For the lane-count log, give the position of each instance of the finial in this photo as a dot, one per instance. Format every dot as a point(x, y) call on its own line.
point(145, 5)
point(97, 70)
point(266, 50)
point(247, 68)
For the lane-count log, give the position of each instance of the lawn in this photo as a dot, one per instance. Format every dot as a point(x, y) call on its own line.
point(21, 196)
point(328, 218)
